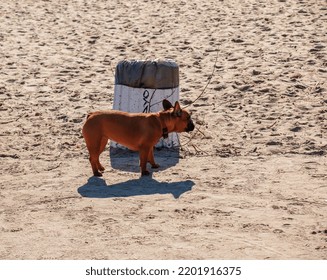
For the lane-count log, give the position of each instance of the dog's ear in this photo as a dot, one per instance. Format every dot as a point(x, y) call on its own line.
point(166, 104)
point(177, 110)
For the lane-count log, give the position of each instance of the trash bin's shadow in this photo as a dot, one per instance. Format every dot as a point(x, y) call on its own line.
point(97, 188)
point(127, 160)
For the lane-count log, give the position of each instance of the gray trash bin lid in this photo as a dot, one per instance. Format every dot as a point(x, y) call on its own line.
point(156, 74)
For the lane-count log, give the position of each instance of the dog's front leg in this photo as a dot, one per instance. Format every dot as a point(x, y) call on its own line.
point(151, 159)
point(144, 153)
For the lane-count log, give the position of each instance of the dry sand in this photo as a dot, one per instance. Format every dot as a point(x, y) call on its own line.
point(251, 184)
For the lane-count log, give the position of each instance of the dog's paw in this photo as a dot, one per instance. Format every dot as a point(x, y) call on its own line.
point(145, 173)
point(97, 174)
point(154, 166)
point(101, 168)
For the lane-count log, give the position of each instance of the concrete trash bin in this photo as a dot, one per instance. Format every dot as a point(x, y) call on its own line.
point(140, 86)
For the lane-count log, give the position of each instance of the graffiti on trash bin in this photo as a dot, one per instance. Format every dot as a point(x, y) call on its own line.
point(147, 98)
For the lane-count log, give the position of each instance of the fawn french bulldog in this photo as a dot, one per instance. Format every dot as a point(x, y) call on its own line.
point(136, 131)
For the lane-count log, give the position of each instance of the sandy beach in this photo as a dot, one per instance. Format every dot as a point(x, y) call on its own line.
point(249, 183)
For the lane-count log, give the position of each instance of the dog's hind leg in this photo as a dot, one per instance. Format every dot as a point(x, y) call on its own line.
point(93, 146)
point(103, 144)
point(94, 163)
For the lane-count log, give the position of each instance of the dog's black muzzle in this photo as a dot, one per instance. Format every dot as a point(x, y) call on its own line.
point(190, 126)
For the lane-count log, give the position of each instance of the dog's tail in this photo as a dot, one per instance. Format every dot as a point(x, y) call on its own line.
point(88, 115)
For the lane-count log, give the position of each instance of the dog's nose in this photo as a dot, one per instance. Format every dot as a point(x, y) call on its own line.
point(190, 126)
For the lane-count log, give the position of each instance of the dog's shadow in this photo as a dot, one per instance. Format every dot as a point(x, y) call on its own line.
point(127, 160)
point(97, 188)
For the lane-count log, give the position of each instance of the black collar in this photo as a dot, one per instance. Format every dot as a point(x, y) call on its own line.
point(165, 132)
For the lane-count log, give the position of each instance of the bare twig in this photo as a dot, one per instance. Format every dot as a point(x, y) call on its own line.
point(209, 81)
